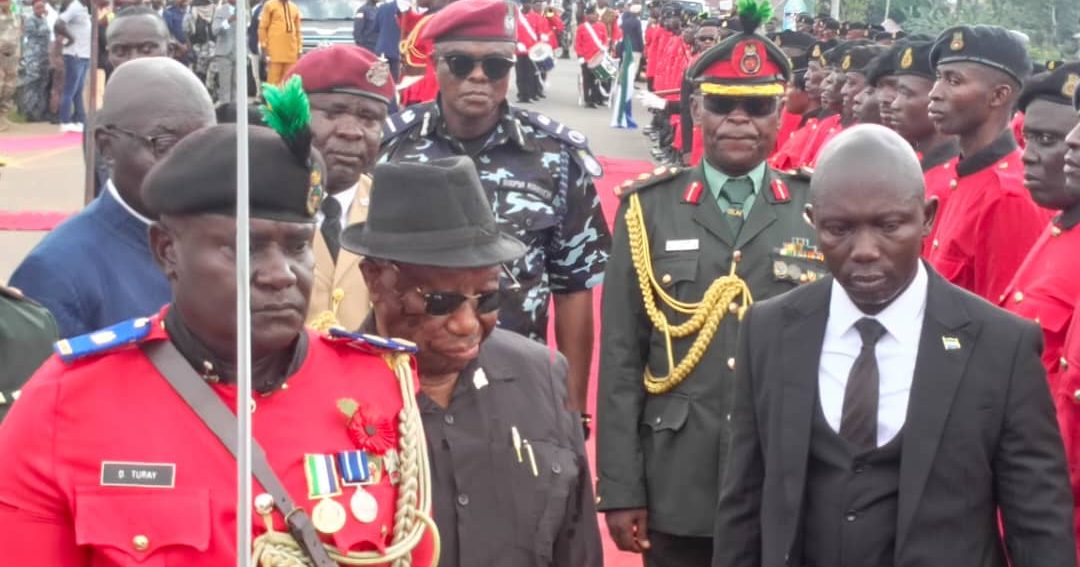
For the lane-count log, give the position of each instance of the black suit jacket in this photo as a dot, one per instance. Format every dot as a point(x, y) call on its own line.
point(980, 437)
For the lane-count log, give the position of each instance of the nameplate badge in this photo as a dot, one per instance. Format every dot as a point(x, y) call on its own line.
point(681, 245)
point(950, 343)
point(152, 475)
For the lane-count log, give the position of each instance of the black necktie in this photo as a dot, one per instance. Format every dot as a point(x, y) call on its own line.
point(736, 190)
point(331, 225)
point(858, 425)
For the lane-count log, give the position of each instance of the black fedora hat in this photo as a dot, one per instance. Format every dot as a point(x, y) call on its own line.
point(431, 214)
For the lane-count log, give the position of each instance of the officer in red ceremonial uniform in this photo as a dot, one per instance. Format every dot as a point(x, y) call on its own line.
point(1067, 397)
point(1046, 288)
point(833, 102)
point(937, 152)
point(857, 106)
point(587, 46)
point(109, 457)
point(991, 221)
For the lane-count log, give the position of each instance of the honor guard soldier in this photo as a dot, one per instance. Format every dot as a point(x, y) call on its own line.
point(27, 332)
point(121, 448)
point(510, 476)
point(692, 249)
point(937, 152)
point(1067, 396)
point(350, 90)
point(537, 174)
point(990, 222)
point(1046, 287)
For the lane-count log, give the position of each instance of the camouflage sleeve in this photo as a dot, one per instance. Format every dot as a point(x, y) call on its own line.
point(577, 255)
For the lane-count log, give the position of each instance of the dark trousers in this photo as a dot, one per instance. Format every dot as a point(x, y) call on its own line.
point(678, 551)
point(528, 84)
point(591, 86)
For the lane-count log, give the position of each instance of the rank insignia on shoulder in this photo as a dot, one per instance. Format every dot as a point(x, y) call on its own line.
point(658, 175)
point(801, 248)
point(371, 343)
point(107, 339)
point(780, 191)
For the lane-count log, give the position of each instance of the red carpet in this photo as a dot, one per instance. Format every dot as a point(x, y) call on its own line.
point(615, 172)
point(19, 144)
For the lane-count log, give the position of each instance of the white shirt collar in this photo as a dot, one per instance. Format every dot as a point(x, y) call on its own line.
point(345, 198)
point(901, 318)
point(111, 188)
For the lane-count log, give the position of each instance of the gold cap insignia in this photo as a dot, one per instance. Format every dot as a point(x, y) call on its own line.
point(816, 52)
point(1051, 65)
point(907, 59)
point(750, 62)
point(957, 43)
point(316, 194)
point(846, 64)
point(1072, 81)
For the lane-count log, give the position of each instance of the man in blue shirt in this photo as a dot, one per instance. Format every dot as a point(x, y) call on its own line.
point(174, 18)
point(96, 269)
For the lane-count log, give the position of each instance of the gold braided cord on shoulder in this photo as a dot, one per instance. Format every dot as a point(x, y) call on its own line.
point(705, 315)
point(411, 520)
point(410, 54)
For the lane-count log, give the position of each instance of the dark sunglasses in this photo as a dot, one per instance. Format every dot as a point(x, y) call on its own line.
point(756, 106)
point(495, 66)
point(442, 303)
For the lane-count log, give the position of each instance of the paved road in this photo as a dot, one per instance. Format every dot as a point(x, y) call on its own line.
point(50, 176)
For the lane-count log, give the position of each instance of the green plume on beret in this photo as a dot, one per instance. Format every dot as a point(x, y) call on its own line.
point(288, 112)
point(752, 13)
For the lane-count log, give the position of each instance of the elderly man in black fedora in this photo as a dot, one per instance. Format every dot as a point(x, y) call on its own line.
point(510, 478)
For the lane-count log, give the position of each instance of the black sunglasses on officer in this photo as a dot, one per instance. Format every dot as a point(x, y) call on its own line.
point(753, 106)
point(495, 67)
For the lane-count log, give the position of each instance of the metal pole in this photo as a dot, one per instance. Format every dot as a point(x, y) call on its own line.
point(243, 293)
point(834, 11)
point(90, 159)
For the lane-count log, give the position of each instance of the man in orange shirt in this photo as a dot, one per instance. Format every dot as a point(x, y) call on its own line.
point(279, 37)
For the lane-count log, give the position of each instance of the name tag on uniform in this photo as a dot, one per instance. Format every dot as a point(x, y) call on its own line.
point(153, 475)
point(681, 245)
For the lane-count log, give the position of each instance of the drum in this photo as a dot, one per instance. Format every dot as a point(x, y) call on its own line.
point(542, 56)
point(603, 66)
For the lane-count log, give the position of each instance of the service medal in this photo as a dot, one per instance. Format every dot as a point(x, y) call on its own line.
point(364, 506)
point(356, 470)
point(322, 479)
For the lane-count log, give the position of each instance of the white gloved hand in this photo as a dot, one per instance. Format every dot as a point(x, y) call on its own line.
point(651, 101)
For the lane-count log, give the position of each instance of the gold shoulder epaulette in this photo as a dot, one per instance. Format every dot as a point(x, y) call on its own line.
point(645, 180)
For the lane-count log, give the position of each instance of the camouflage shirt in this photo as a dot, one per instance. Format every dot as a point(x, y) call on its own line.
point(538, 174)
point(9, 33)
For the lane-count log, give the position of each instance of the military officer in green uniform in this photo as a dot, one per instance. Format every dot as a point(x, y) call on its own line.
point(27, 332)
point(692, 249)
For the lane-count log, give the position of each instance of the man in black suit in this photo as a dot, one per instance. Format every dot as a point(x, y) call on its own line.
point(882, 416)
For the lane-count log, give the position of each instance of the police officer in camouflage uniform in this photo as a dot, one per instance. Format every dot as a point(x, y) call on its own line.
point(536, 172)
point(27, 332)
point(10, 38)
point(691, 248)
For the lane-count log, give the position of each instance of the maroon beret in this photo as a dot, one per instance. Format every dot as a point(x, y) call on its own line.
point(474, 20)
point(345, 69)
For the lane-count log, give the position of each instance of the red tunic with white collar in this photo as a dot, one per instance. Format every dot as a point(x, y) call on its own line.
point(57, 508)
point(990, 223)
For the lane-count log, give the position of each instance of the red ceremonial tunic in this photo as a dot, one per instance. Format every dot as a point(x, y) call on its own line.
point(653, 46)
point(990, 222)
point(584, 45)
point(1046, 289)
point(938, 165)
point(419, 52)
point(1067, 400)
point(789, 123)
point(556, 25)
point(56, 508)
point(787, 157)
point(826, 129)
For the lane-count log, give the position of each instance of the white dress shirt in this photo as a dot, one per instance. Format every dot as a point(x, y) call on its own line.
point(116, 195)
point(895, 352)
point(346, 199)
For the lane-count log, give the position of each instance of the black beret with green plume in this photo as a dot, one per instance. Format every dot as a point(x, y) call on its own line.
point(746, 63)
point(198, 176)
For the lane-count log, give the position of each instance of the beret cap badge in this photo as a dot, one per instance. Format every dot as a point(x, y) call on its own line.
point(816, 52)
point(316, 193)
point(846, 63)
point(957, 43)
point(1072, 82)
point(379, 72)
point(907, 59)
